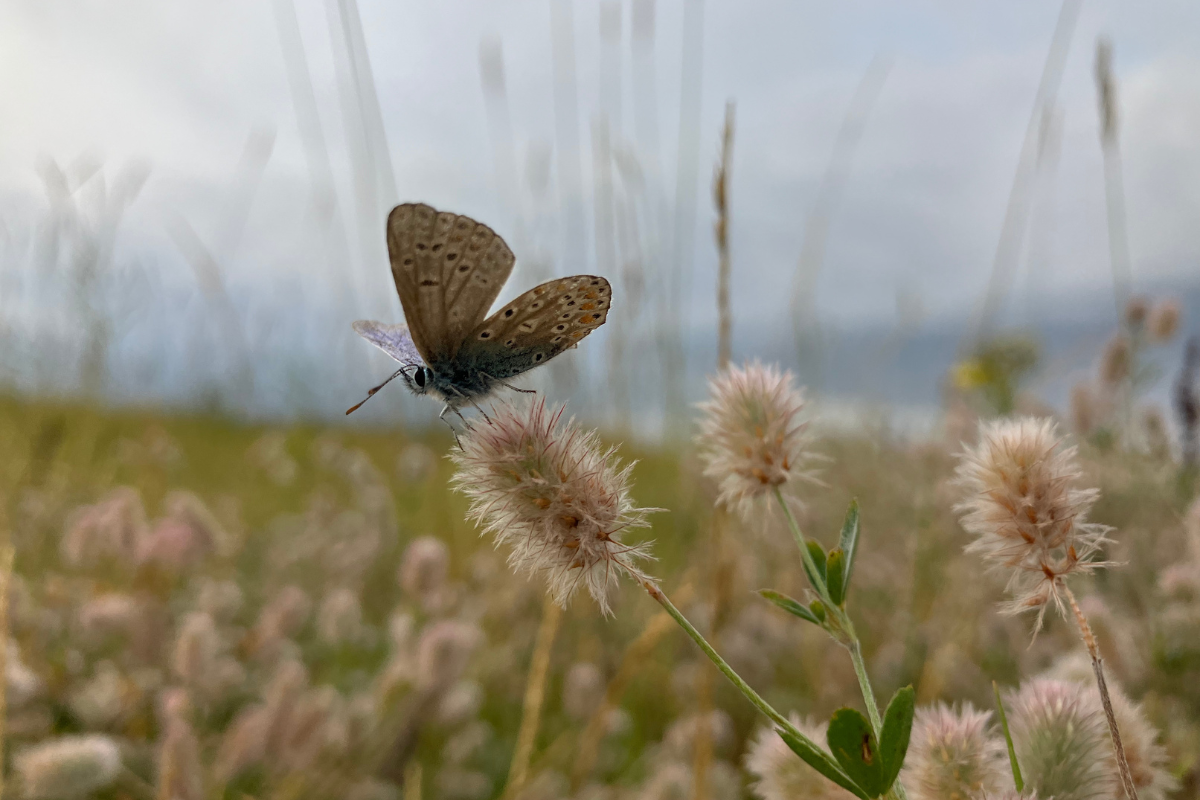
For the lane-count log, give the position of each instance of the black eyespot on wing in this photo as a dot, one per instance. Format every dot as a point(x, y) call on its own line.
point(437, 247)
point(537, 357)
point(451, 256)
point(560, 328)
point(508, 312)
point(485, 335)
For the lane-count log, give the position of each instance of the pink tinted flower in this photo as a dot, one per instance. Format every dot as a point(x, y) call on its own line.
point(1024, 510)
point(751, 439)
point(551, 491)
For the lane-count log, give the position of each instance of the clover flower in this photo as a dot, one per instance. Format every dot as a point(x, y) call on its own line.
point(751, 441)
point(953, 753)
point(1025, 512)
point(556, 495)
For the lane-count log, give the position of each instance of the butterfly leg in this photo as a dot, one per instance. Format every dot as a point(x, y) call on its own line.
point(508, 385)
point(442, 417)
point(481, 411)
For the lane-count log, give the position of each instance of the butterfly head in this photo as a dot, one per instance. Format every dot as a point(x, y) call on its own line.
point(420, 381)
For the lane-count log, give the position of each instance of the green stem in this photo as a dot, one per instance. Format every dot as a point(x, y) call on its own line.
point(715, 657)
point(850, 641)
point(864, 683)
point(809, 564)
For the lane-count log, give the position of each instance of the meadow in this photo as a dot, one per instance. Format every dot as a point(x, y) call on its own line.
point(229, 610)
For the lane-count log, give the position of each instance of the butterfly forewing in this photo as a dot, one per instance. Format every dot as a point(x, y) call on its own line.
point(538, 325)
point(395, 340)
point(448, 271)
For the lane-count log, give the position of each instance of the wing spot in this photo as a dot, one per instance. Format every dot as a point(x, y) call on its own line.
point(537, 305)
point(408, 262)
point(595, 316)
point(420, 245)
point(566, 315)
point(451, 256)
point(464, 268)
point(508, 312)
point(511, 342)
point(557, 339)
point(571, 303)
point(595, 283)
point(485, 335)
point(437, 247)
point(430, 282)
point(560, 328)
point(538, 357)
point(527, 326)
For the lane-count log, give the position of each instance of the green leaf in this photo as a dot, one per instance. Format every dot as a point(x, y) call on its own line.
point(853, 745)
point(818, 557)
point(836, 569)
point(816, 758)
point(1018, 781)
point(817, 608)
point(893, 739)
point(848, 543)
point(789, 605)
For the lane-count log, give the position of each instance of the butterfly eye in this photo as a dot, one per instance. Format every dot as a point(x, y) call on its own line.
point(419, 377)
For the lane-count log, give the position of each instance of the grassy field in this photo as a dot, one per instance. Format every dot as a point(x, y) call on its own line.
point(249, 619)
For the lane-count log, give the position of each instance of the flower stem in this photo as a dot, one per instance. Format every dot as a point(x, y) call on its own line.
point(1089, 640)
point(809, 564)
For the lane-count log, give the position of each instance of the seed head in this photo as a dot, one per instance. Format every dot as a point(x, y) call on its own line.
point(550, 490)
point(1164, 320)
point(68, 767)
point(1115, 363)
point(1062, 741)
point(780, 772)
point(340, 618)
point(751, 441)
point(1027, 517)
point(423, 568)
point(954, 753)
point(443, 652)
point(583, 690)
point(112, 529)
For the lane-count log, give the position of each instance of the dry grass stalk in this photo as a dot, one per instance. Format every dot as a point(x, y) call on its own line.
point(721, 234)
point(6, 564)
point(535, 693)
point(1089, 641)
point(1114, 183)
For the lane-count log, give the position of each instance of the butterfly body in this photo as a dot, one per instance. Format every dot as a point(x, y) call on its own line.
point(448, 270)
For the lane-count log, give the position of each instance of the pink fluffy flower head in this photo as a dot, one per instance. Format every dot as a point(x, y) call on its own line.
point(555, 494)
point(750, 440)
point(1025, 512)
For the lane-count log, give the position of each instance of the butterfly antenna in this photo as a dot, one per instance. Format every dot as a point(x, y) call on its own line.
point(371, 393)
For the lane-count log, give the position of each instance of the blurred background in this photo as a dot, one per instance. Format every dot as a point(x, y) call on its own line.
point(194, 197)
point(931, 213)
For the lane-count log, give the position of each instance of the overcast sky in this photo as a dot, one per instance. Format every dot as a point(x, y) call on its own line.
point(180, 87)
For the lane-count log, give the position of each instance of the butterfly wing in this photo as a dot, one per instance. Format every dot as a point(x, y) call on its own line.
point(395, 340)
point(537, 326)
point(448, 270)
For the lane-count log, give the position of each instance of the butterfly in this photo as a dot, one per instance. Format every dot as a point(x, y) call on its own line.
point(448, 270)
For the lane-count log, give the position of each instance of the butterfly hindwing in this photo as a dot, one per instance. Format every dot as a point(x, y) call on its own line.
point(395, 340)
point(448, 270)
point(538, 325)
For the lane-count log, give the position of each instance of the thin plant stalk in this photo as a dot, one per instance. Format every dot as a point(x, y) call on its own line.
point(6, 565)
point(721, 234)
point(1089, 641)
point(535, 693)
point(412, 781)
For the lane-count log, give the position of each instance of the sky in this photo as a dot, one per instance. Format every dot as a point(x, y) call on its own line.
point(178, 90)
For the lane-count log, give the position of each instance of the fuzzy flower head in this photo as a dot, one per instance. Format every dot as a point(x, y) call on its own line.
point(1061, 741)
point(552, 492)
point(954, 753)
point(751, 441)
point(782, 775)
point(68, 767)
point(1025, 513)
